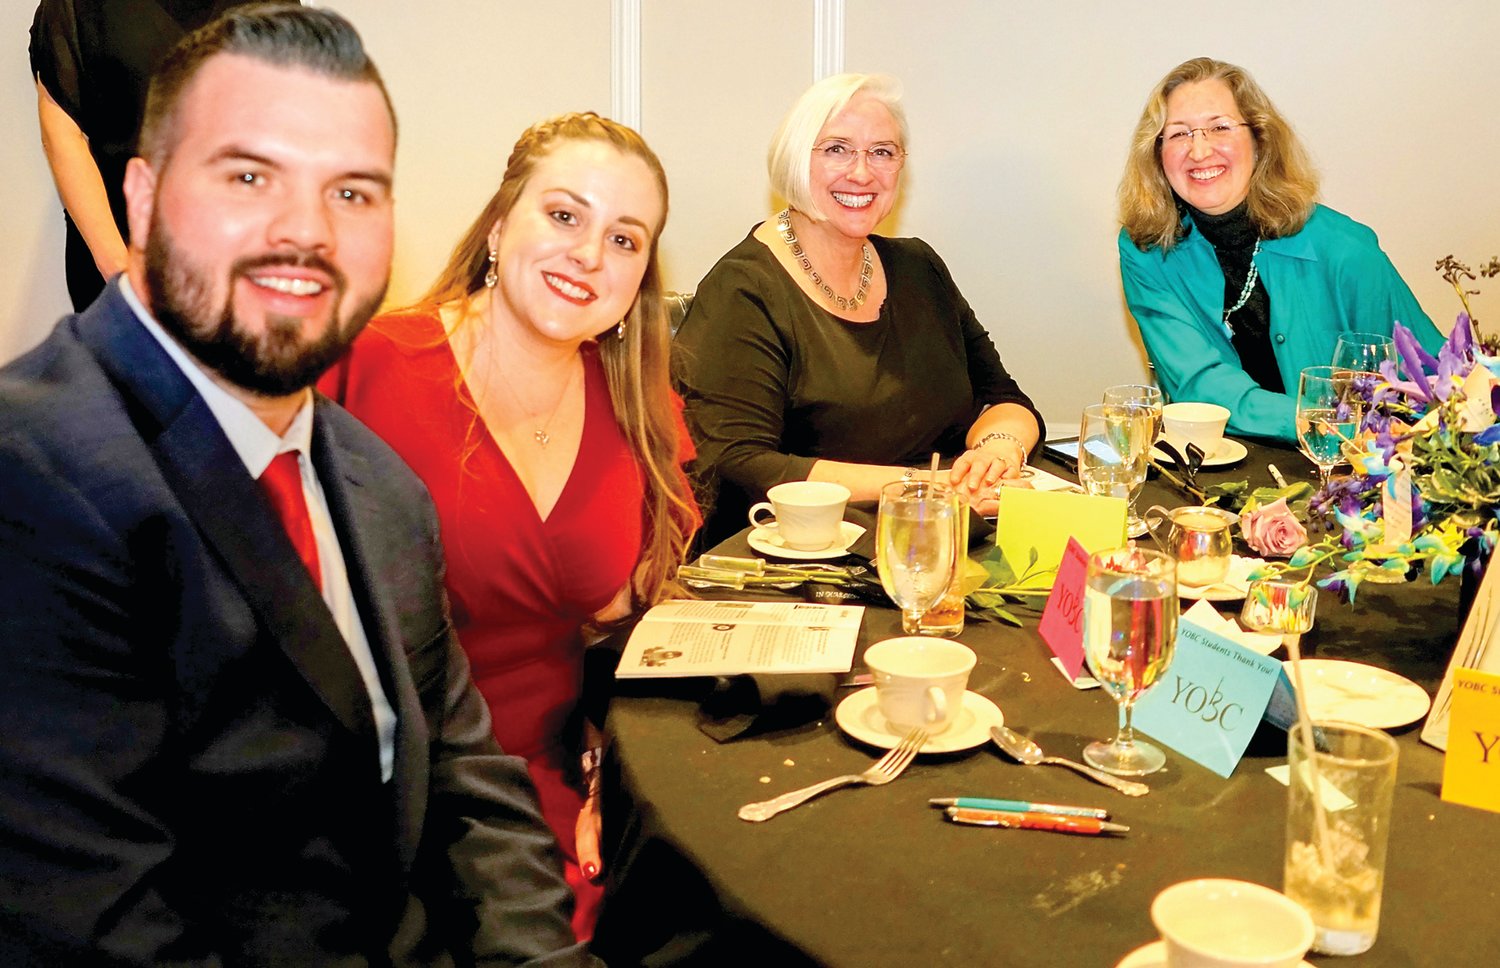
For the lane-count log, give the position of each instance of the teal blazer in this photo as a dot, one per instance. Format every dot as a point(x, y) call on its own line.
point(1329, 278)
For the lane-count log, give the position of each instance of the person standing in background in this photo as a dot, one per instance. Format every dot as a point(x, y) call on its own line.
point(91, 60)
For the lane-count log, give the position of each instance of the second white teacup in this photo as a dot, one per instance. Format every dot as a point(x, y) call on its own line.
point(920, 681)
point(1221, 923)
point(1194, 423)
point(806, 514)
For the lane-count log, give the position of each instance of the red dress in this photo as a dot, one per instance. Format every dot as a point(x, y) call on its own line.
point(521, 587)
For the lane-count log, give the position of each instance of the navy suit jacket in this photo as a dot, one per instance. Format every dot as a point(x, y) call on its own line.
point(189, 767)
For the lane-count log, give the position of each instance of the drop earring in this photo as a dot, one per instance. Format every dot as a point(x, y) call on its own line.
point(491, 277)
point(620, 329)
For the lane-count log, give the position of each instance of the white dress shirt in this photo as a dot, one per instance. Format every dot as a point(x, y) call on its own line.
point(257, 446)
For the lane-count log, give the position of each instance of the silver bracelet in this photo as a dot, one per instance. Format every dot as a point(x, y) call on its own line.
point(999, 435)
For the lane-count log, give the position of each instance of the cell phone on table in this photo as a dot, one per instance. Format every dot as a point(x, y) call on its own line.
point(1064, 449)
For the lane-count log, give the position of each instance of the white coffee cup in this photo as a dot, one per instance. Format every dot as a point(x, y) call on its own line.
point(805, 514)
point(1194, 423)
point(1220, 923)
point(920, 681)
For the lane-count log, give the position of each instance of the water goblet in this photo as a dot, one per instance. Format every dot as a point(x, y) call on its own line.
point(1363, 352)
point(917, 546)
point(1114, 441)
point(1328, 414)
point(1150, 401)
point(1129, 637)
point(1139, 395)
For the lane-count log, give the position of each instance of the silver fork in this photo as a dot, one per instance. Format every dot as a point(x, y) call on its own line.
point(882, 771)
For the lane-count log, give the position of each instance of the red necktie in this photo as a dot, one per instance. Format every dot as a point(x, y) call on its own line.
point(282, 482)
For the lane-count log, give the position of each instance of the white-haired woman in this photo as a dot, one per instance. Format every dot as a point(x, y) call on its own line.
point(816, 350)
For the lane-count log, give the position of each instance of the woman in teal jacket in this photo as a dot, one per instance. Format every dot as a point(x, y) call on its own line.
point(1236, 277)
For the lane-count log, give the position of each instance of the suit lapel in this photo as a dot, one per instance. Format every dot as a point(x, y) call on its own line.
point(234, 519)
point(356, 511)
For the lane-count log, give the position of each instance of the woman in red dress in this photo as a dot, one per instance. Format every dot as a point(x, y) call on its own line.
point(529, 389)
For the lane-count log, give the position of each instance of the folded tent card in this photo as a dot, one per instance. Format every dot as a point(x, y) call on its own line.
point(1212, 697)
point(1471, 764)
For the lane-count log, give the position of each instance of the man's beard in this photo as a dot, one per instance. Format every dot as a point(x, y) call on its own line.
point(275, 363)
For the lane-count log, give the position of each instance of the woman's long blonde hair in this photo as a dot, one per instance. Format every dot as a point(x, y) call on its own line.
point(1283, 184)
point(636, 363)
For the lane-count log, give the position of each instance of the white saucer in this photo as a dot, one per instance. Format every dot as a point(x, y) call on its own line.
point(1154, 955)
point(859, 716)
point(765, 540)
point(1233, 587)
point(1361, 694)
point(1228, 452)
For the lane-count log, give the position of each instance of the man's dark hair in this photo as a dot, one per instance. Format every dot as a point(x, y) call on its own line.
point(275, 32)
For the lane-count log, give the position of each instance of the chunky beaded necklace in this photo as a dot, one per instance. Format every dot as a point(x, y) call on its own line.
point(784, 223)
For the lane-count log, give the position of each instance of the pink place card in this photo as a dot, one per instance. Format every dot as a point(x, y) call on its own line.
point(1062, 620)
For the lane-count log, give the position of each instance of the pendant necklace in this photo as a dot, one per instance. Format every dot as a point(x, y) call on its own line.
point(543, 434)
point(784, 224)
point(1246, 290)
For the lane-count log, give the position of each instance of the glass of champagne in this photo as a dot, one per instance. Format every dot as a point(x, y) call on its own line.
point(1363, 352)
point(916, 545)
point(1328, 413)
point(1114, 441)
point(1149, 399)
point(1129, 637)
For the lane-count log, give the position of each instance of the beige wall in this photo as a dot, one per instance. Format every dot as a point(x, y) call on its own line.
point(1020, 113)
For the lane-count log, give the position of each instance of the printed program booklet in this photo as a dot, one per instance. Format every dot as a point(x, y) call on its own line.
point(709, 638)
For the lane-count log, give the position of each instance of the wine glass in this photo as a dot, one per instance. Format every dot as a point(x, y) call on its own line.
point(1328, 413)
point(1150, 400)
point(1363, 352)
point(1129, 637)
point(916, 545)
point(1114, 442)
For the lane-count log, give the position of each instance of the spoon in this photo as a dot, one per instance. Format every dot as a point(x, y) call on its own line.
point(1024, 750)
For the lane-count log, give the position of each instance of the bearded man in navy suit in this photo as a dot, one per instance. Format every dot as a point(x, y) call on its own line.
point(218, 745)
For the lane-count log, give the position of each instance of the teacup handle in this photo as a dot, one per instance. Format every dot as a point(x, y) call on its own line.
point(756, 509)
point(938, 701)
point(1155, 515)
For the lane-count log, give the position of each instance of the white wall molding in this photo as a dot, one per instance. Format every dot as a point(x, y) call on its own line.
point(828, 38)
point(625, 62)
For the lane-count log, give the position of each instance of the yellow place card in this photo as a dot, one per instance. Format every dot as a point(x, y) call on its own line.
point(1032, 529)
point(1471, 766)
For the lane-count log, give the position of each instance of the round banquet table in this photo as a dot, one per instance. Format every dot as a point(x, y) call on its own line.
point(873, 876)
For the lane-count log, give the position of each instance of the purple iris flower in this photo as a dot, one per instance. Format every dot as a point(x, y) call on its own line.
point(1416, 362)
point(1462, 337)
point(1336, 585)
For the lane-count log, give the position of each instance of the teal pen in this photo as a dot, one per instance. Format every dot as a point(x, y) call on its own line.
point(1019, 806)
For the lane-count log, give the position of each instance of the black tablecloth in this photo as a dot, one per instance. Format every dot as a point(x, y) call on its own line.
point(874, 876)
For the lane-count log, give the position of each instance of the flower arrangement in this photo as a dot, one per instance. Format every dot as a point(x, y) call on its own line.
point(1425, 487)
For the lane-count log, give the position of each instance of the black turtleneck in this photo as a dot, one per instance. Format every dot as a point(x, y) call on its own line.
point(1233, 237)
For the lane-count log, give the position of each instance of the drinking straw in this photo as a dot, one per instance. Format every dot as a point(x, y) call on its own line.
point(1304, 727)
point(935, 458)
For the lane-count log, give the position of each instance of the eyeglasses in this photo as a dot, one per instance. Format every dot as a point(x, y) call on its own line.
point(1181, 136)
point(841, 156)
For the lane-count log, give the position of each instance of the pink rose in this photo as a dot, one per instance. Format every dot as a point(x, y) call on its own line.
point(1273, 530)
